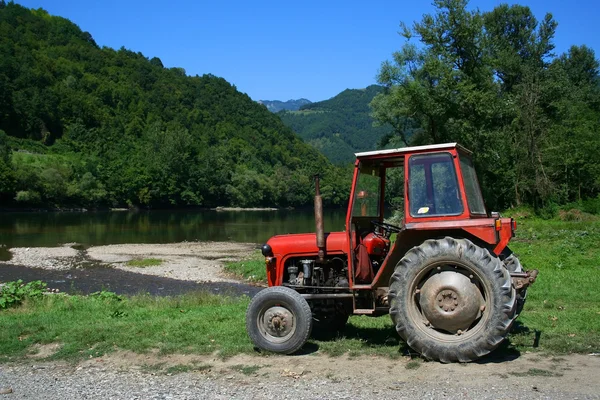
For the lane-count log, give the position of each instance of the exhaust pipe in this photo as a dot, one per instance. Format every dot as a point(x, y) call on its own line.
point(319, 221)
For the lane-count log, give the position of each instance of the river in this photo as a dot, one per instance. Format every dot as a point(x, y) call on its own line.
point(48, 229)
point(45, 229)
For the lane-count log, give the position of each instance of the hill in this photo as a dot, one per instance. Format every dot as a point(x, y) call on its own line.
point(82, 125)
point(340, 126)
point(290, 105)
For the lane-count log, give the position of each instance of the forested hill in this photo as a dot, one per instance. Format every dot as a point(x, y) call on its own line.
point(290, 105)
point(340, 126)
point(91, 126)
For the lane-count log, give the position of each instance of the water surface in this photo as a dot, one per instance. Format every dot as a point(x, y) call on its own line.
point(37, 229)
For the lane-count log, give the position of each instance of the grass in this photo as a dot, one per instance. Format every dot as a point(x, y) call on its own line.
point(413, 364)
point(535, 372)
point(145, 262)
point(562, 313)
point(93, 326)
point(246, 369)
point(251, 269)
point(180, 368)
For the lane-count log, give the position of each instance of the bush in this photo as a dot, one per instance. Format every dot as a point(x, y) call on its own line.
point(575, 215)
point(591, 206)
point(107, 296)
point(547, 212)
point(14, 293)
point(28, 197)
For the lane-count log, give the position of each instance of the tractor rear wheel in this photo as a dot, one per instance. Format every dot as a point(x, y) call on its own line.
point(451, 300)
point(279, 319)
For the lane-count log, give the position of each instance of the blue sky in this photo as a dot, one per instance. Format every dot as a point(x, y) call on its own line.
point(278, 50)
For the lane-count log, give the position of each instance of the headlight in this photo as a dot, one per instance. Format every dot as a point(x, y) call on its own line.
point(266, 250)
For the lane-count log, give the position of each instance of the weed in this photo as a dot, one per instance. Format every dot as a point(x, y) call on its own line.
point(153, 368)
point(252, 269)
point(535, 372)
point(145, 262)
point(14, 293)
point(179, 368)
point(332, 377)
point(413, 364)
point(107, 296)
point(246, 369)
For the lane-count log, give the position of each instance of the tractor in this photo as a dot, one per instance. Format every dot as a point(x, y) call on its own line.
point(444, 273)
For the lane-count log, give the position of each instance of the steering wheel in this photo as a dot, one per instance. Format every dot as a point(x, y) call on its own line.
point(386, 229)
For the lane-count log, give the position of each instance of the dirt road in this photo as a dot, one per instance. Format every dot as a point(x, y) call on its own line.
point(133, 376)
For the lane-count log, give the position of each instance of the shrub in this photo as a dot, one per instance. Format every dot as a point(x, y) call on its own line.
point(14, 293)
point(575, 215)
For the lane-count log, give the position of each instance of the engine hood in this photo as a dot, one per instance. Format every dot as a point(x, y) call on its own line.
point(306, 244)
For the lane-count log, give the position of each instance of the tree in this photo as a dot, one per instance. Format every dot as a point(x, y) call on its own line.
point(7, 176)
point(491, 82)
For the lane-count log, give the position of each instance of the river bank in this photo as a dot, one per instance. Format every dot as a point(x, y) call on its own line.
point(189, 261)
point(181, 267)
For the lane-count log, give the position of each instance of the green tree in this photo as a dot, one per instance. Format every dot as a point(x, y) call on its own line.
point(105, 127)
point(490, 81)
point(7, 176)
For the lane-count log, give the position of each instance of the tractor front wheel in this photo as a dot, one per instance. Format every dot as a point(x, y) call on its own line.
point(451, 300)
point(279, 319)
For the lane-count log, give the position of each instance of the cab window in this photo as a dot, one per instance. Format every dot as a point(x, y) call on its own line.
point(367, 193)
point(433, 186)
point(474, 199)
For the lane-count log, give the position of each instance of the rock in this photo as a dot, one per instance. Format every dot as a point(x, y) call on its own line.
point(6, 390)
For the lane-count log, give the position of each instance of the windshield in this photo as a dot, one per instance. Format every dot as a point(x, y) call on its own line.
point(367, 194)
point(433, 186)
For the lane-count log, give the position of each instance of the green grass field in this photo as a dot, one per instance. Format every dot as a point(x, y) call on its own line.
point(562, 314)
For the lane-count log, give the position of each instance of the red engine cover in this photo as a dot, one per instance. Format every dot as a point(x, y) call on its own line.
point(376, 245)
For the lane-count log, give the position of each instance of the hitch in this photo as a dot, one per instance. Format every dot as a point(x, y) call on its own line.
point(521, 280)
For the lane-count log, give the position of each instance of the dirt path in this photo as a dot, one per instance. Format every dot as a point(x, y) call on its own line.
point(134, 376)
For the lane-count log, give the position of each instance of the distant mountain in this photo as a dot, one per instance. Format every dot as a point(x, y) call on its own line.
point(340, 126)
point(290, 105)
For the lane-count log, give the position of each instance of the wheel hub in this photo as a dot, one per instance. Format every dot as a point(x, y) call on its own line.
point(447, 300)
point(278, 322)
point(450, 301)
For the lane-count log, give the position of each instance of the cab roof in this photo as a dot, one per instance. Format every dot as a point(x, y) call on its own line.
point(406, 150)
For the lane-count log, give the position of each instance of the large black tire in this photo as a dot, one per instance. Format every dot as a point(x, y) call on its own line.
point(513, 264)
point(279, 319)
point(463, 289)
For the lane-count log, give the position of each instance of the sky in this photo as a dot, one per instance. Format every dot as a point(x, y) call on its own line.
point(281, 50)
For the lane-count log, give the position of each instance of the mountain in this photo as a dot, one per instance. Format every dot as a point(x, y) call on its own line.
point(86, 126)
point(340, 126)
point(290, 105)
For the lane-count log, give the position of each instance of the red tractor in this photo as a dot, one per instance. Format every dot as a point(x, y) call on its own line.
point(445, 275)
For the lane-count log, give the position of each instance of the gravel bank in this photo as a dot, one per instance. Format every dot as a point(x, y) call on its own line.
point(190, 261)
point(304, 377)
point(56, 258)
point(194, 261)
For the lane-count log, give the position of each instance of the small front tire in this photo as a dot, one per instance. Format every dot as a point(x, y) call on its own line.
point(279, 319)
